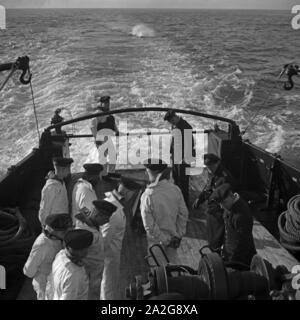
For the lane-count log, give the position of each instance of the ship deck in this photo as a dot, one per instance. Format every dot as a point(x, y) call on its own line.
point(135, 244)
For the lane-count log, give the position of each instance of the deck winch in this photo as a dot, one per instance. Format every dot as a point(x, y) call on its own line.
point(215, 280)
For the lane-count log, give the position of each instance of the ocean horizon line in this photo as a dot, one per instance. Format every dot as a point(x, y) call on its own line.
point(148, 8)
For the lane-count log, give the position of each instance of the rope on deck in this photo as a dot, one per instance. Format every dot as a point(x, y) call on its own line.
point(289, 223)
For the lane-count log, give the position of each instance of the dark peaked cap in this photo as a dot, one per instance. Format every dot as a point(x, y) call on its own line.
point(210, 159)
point(104, 99)
point(155, 165)
point(130, 184)
point(221, 192)
point(62, 162)
point(78, 239)
point(105, 207)
point(59, 221)
point(93, 168)
point(169, 115)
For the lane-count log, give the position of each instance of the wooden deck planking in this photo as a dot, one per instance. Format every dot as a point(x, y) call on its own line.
point(270, 249)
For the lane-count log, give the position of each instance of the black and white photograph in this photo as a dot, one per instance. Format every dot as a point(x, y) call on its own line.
point(149, 150)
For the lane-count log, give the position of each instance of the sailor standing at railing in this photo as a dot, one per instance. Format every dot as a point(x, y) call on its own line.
point(113, 234)
point(182, 151)
point(103, 129)
point(163, 210)
point(216, 175)
point(54, 198)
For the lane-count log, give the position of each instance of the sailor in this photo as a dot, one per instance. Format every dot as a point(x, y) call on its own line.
point(163, 210)
point(46, 246)
point(238, 244)
point(113, 234)
point(54, 198)
point(94, 261)
point(103, 128)
point(182, 151)
point(84, 193)
point(68, 279)
point(216, 175)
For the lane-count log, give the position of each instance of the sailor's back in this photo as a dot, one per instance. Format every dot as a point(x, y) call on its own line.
point(68, 281)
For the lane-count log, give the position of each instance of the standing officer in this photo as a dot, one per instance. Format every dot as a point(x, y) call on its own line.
point(216, 175)
point(163, 210)
point(182, 142)
point(239, 244)
point(54, 197)
point(84, 193)
point(102, 129)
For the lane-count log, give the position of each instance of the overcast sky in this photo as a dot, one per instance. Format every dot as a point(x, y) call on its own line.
point(214, 4)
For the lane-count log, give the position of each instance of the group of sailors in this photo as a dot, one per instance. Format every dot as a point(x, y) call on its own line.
point(229, 221)
point(77, 255)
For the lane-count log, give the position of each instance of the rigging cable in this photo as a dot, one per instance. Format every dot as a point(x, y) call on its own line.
point(13, 69)
point(34, 108)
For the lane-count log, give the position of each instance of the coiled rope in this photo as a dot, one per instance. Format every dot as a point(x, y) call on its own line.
point(289, 223)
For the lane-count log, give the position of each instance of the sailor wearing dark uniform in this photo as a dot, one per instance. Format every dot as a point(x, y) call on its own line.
point(94, 260)
point(163, 210)
point(54, 198)
point(68, 279)
point(216, 174)
point(103, 128)
point(113, 234)
point(182, 151)
point(84, 193)
point(238, 244)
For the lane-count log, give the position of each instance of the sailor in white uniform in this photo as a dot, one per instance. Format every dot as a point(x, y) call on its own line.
point(94, 261)
point(54, 198)
point(163, 210)
point(46, 246)
point(68, 279)
point(84, 193)
point(104, 128)
point(113, 234)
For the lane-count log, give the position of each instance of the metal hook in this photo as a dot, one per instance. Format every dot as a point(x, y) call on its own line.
point(22, 77)
point(22, 63)
point(289, 70)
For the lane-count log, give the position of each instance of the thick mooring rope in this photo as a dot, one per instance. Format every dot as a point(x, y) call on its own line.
point(289, 222)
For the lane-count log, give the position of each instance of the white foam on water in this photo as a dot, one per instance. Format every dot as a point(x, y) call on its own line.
point(273, 139)
point(141, 31)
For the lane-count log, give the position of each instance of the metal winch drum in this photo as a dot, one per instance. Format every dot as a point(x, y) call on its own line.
point(214, 280)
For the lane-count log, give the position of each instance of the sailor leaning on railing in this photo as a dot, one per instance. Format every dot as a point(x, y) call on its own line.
point(216, 175)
